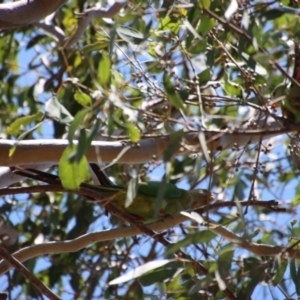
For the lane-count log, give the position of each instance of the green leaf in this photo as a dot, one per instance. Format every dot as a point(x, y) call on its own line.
point(204, 77)
point(104, 70)
point(82, 146)
point(295, 275)
point(117, 79)
point(206, 24)
point(83, 99)
point(273, 14)
point(76, 123)
point(232, 88)
point(263, 58)
point(93, 133)
point(56, 111)
point(15, 127)
point(22, 136)
point(172, 25)
point(202, 284)
point(139, 271)
point(224, 262)
point(257, 35)
point(281, 265)
point(131, 191)
point(298, 287)
point(35, 40)
point(172, 95)
point(204, 3)
point(151, 49)
point(210, 57)
point(191, 29)
point(133, 132)
point(160, 195)
point(130, 35)
point(197, 46)
point(96, 46)
point(254, 266)
point(193, 216)
point(199, 237)
point(72, 174)
point(135, 291)
point(174, 144)
point(158, 275)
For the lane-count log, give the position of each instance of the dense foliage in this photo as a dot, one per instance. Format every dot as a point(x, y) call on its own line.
point(159, 68)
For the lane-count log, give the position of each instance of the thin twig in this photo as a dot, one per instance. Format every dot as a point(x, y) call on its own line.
point(270, 204)
point(243, 33)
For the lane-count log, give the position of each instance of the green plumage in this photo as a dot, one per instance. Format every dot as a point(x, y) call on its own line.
point(144, 204)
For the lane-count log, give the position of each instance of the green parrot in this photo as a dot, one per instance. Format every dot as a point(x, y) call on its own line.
point(290, 105)
point(144, 204)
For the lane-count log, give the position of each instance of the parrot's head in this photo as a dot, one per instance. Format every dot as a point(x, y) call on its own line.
point(201, 197)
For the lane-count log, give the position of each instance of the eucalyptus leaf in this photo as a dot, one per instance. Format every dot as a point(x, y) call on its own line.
point(130, 35)
point(139, 271)
point(72, 174)
point(56, 111)
point(15, 127)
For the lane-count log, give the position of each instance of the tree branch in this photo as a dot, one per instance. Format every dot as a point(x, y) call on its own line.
point(38, 284)
point(50, 151)
point(42, 154)
point(158, 226)
point(21, 13)
point(258, 249)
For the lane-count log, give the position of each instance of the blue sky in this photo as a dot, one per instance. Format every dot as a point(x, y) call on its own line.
point(282, 220)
